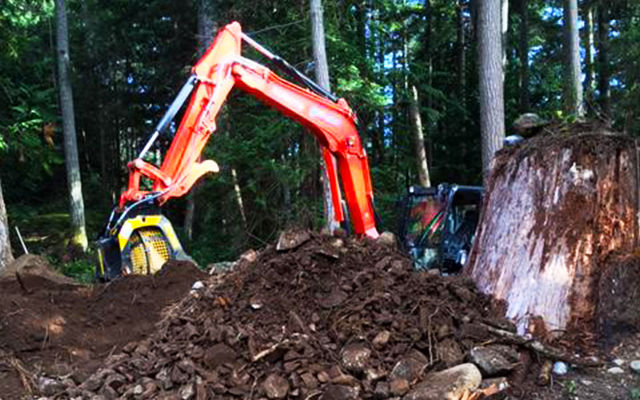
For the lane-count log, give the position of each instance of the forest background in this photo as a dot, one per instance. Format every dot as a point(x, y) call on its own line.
point(128, 59)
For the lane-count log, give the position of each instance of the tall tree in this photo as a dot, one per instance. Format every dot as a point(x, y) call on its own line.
point(523, 54)
point(573, 101)
point(418, 138)
point(604, 73)
point(206, 31)
point(74, 182)
point(491, 88)
point(322, 78)
point(589, 56)
point(504, 29)
point(5, 246)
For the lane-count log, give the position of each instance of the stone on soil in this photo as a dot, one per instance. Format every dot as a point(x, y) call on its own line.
point(410, 366)
point(491, 360)
point(355, 356)
point(448, 384)
point(275, 387)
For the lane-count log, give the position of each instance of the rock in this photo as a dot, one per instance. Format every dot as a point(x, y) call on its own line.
point(447, 384)
point(560, 368)
point(49, 387)
point(410, 366)
point(374, 374)
point(619, 362)
point(275, 386)
point(92, 384)
point(491, 360)
point(114, 381)
point(381, 391)
point(219, 354)
point(340, 392)
point(354, 357)
point(615, 370)
point(333, 299)
point(529, 124)
point(108, 393)
point(309, 381)
point(164, 380)
point(398, 386)
point(138, 389)
point(197, 285)
point(635, 366)
point(221, 266)
point(289, 240)
point(387, 238)
point(501, 383)
point(187, 391)
point(449, 352)
point(381, 339)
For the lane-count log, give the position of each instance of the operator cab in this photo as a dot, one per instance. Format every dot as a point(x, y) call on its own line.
point(438, 225)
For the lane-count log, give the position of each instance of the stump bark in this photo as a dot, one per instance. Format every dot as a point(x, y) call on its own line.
point(556, 207)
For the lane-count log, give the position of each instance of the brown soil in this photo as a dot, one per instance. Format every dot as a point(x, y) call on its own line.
point(281, 326)
point(52, 326)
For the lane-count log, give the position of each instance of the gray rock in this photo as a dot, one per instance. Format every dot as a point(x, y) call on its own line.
point(49, 386)
point(491, 360)
point(501, 383)
point(197, 285)
point(354, 357)
point(447, 384)
point(387, 238)
point(619, 362)
point(381, 391)
point(410, 366)
point(529, 124)
point(187, 391)
point(615, 370)
point(115, 382)
point(289, 240)
point(340, 392)
point(275, 386)
point(635, 366)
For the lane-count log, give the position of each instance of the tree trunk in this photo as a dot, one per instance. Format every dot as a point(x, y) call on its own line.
point(573, 101)
point(322, 78)
point(206, 30)
point(462, 60)
point(491, 81)
point(5, 246)
point(504, 23)
point(418, 139)
point(523, 53)
point(604, 75)
point(555, 209)
point(238, 196)
point(74, 182)
point(589, 59)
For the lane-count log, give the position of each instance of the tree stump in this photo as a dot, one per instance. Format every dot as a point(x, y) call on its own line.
point(556, 206)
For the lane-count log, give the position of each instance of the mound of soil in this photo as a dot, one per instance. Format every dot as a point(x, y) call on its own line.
point(331, 319)
point(52, 326)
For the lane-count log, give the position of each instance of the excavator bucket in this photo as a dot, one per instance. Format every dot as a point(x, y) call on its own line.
point(138, 246)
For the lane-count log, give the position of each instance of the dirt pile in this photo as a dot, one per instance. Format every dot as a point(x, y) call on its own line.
point(50, 326)
point(331, 319)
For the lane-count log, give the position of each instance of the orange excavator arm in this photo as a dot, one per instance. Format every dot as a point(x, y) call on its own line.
point(222, 67)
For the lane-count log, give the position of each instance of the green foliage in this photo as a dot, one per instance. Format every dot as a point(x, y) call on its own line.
point(81, 270)
point(571, 387)
point(128, 60)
